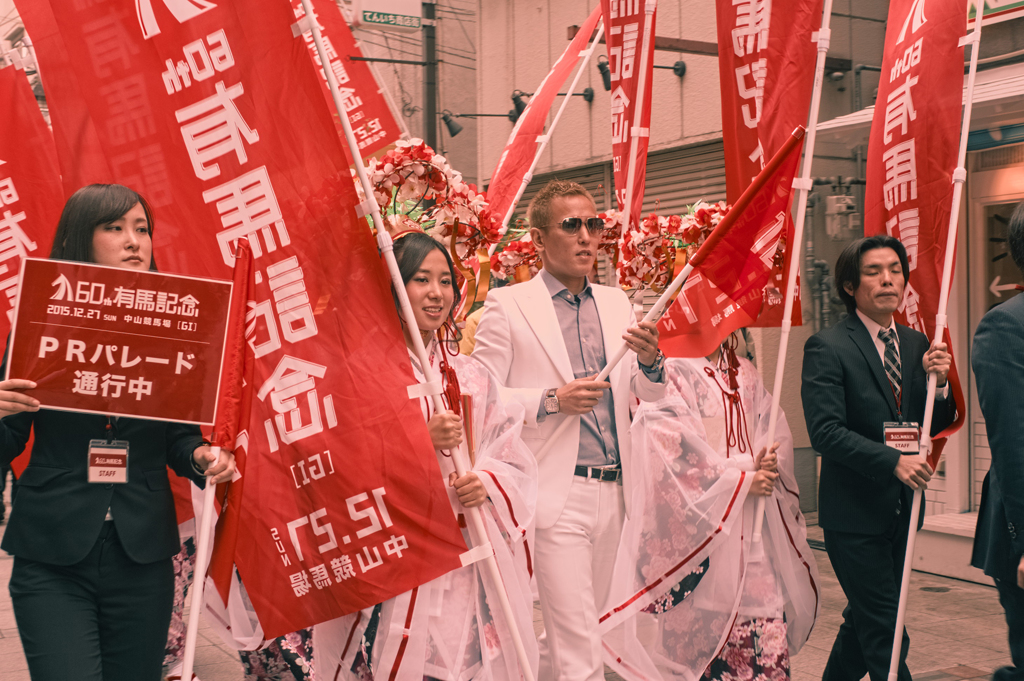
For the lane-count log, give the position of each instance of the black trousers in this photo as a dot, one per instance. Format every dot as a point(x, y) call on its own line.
point(103, 619)
point(1011, 597)
point(870, 569)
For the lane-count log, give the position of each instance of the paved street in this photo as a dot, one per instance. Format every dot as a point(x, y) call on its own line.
point(957, 631)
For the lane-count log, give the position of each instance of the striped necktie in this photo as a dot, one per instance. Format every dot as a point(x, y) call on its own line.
point(891, 359)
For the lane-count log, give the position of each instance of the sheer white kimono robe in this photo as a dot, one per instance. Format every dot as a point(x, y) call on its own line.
point(684, 575)
point(452, 627)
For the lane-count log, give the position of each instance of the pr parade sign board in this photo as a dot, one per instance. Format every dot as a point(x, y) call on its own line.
point(120, 342)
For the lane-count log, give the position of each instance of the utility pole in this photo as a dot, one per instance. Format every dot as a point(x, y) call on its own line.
point(430, 80)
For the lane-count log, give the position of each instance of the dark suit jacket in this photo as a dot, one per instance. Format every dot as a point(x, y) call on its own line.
point(998, 361)
point(58, 514)
point(846, 399)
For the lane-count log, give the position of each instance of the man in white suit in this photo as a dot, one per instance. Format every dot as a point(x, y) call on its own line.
point(545, 341)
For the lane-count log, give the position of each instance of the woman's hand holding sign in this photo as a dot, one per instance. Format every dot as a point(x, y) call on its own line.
point(13, 401)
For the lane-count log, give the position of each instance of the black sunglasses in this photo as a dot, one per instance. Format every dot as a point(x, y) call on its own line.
point(572, 225)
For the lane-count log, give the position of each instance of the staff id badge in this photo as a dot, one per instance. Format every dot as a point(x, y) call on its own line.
point(108, 461)
point(904, 437)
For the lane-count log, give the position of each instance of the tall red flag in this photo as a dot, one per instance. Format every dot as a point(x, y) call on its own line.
point(216, 116)
point(234, 403)
point(373, 123)
point(912, 153)
point(724, 291)
point(234, 407)
point(516, 159)
point(625, 23)
point(766, 65)
point(30, 193)
point(81, 159)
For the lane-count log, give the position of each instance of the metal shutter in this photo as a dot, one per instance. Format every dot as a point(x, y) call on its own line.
point(676, 178)
point(596, 178)
point(679, 177)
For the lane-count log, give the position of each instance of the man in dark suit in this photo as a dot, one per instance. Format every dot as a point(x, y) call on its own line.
point(858, 375)
point(998, 361)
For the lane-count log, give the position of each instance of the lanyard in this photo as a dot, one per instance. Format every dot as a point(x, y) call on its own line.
point(110, 429)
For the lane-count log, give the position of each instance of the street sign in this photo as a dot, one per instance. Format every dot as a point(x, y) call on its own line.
point(995, 287)
point(995, 11)
point(395, 15)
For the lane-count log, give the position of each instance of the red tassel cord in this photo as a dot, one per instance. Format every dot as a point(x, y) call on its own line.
point(736, 433)
point(451, 394)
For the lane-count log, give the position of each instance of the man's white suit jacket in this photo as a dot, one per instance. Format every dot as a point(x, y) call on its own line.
point(520, 342)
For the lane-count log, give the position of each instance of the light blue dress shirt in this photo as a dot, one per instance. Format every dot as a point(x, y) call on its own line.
point(584, 341)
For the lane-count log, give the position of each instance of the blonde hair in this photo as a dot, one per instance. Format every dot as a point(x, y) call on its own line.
point(539, 212)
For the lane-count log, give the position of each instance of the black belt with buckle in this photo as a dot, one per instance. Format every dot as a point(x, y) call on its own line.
point(602, 474)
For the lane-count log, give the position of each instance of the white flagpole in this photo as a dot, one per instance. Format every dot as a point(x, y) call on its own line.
point(804, 184)
point(959, 177)
point(637, 131)
point(205, 523)
point(371, 208)
point(543, 139)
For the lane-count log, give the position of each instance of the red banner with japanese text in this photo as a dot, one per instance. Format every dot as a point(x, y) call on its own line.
point(626, 22)
point(213, 112)
point(766, 59)
point(517, 157)
point(725, 291)
point(30, 191)
point(373, 124)
point(82, 160)
point(912, 153)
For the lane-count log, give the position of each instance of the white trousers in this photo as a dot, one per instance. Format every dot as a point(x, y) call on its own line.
point(573, 564)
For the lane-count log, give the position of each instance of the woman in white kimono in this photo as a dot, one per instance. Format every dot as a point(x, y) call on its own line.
point(694, 599)
point(451, 628)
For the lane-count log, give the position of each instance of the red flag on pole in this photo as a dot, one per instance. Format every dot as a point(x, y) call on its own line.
point(517, 157)
point(912, 152)
point(625, 25)
point(234, 402)
point(30, 193)
point(344, 505)
point(766, 65)
point(81, 159)
point(234, 406)
point(725, 290)
point(373, 123)
point(766, 61)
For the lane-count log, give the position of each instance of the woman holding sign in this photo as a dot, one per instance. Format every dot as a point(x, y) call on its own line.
point(92, 582)
point(452, 631)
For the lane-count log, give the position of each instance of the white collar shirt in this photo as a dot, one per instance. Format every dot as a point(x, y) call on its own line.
point(873, 329)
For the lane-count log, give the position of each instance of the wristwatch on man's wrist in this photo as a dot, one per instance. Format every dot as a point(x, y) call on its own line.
point(658, 365)
point(551, 401)
point(195, 464)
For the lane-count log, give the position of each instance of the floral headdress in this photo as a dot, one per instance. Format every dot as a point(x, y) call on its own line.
point(414, 186)
point(413, 182)
point(648, 257)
